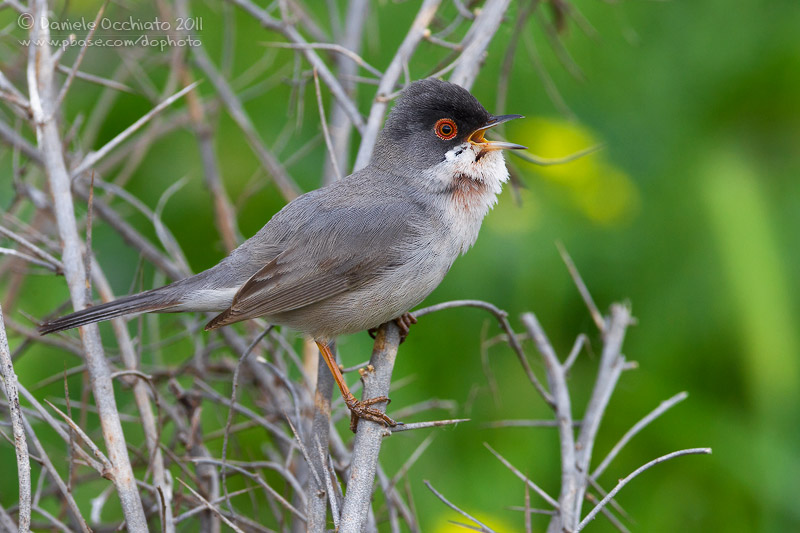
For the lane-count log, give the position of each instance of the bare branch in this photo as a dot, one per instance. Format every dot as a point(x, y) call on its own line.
point(20, 443)
point(549, 499)
point(624, 481)
point(611, 366)
point(580, 340)
point(210, 507)
point(277, 172)
point(15, 140)
point(7, 524)
point(291, 33)
point(71, 76)
point(662, 408)
point(483, 527)
point(337, 172)
point(51, 261)
point(551, 161)
point(104, 82)
point(12, 95)
point(368, 439)
point(341, 126)
point(162, 481)
point(25, 257)
point(107, 468)
point(357, 59)
point(258, 479)
point(424, 425)
point(93, 157)
point(51, 470)
point(40, 74)
point(316, 508)
point(477, 40)
point(386, 86)
point(513, 341)
point(587, 297)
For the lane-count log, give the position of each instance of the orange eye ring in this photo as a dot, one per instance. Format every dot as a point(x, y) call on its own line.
point(445, 129)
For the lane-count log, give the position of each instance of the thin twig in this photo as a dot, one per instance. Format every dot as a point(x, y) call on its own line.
point(107, 468)
point(340, 125)
point(549, 499)
point(291, 33)
point(624, 481)
point(54, 475)
point(232, 404)
point(552, 161)
point(580, 340)
point(71, 76)
point(637, 427)
point(93, 157)
point(104, 82)
point(258, 479)
point(513, 340)
point(325, 133)
point(424, 425)
point(43, 255)
point(415, 455)
point(549, 85)
point(483, 527)
point(357, 59)
point(25, 257)
point(210, 507)
point(272, 165)
point(585, 294)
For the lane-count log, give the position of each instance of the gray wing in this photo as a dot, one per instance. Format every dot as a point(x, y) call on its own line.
point(327, 252)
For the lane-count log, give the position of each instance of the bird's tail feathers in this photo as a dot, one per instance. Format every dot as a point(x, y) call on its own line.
point(149, 301)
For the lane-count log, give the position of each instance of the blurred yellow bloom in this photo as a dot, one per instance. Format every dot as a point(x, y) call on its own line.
point(601, 191)
point(444, 524)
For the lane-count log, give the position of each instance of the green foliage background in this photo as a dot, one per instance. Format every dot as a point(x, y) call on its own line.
point(691, 213)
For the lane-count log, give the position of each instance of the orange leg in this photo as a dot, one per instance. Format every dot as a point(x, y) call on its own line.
point(358, 408)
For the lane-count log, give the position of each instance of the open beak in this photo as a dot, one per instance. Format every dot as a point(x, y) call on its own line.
point(479, 140)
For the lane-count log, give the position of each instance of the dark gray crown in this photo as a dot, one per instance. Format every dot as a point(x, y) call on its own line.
point(424, 102)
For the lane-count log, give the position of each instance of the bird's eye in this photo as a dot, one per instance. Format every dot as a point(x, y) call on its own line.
point(445, 129)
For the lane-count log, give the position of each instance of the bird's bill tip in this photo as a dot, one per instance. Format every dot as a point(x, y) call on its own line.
point(502, 145)
point(477, 137)
point(499, 119)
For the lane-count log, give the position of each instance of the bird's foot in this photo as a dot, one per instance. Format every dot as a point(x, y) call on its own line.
point(361, 409)
point(403, 322)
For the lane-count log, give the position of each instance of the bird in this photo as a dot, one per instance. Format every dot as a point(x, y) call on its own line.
point(365, 249)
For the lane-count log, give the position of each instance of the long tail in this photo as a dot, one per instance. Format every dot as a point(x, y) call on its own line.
point(149, 301)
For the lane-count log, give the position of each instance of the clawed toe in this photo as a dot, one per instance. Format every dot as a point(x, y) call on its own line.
point(360, 409)
point(404, 322)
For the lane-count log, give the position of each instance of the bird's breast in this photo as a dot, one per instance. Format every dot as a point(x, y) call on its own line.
point(469, 196)
point(467, 201)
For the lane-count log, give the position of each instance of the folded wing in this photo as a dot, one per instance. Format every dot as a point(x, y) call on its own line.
point(336, 251)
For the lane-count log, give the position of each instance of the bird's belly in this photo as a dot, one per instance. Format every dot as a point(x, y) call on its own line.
point(384, 298)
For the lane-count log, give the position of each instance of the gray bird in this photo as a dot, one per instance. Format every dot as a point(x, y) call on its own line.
point(363, 250)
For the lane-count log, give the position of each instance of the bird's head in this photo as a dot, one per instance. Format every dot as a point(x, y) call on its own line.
point(436, 129)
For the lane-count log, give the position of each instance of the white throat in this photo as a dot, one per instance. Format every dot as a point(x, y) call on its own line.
point(471, 182)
